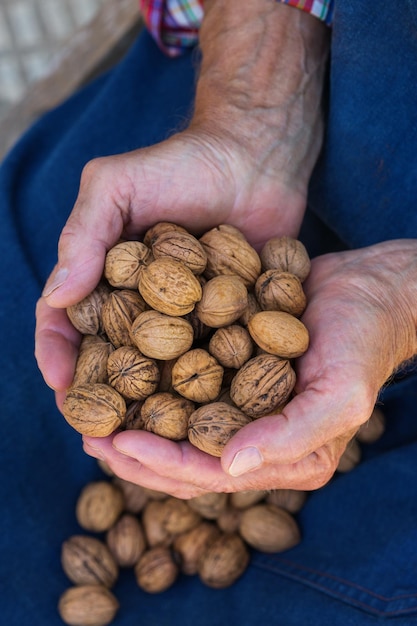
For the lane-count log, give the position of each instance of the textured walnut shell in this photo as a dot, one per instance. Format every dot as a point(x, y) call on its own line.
point(118, 313)
point(131, 374)
point(211, 426)
point(182, 247)
point(373, 429)
point(126, 540)
point(252, 308)
point(124, 263)
point(158, 229)
point(99, 505)
point(263, 383)
point(91, 366)
point(268, 528)
point(156, 570)
point(169, 287)
point(223, 301)
point(161, 336)
point(87, 605)
point(228, 253)
point(135, 496)
point(88, 561)
point(190, 546)
point(232, 346)
point(287, 255)
point(177, 516)
point(228, 521)
point(133, 419)
point(165, 380)
point(292, 500)
point(153, 521)
point(350, 458)
point(94, 409)
point(197, 376)
point(280, 291)
point(209, 505)
point(167, 415)
point(85, 316)
point(245, 499)
point(224, 560)
point(279, 333)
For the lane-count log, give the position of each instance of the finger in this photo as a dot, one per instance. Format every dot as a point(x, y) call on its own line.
point(56, 345)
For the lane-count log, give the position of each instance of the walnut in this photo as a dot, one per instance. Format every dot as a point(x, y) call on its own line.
point(291, 500)
point(263, 383)
point(279, 333)
point(280, 291)
point(228, 252)
point(118, 313)
point(126, 540)
point(161, 336)
point(181, 246)
point(350, 458)
point(87, 605)
point(287, 255)
point(167, 415)
point(223, 301)
point(209, 505)
point(156, 570)
point(133, 419)
point(373, 429)
point(190, 546)
point(134, 376)
point(91, 366)
point(245, 499)
point(197, 376)
point(124, 263)
point(169, 287)
point(85, 316)
point(99, 506)
point(224, 561)
point(228, 521)
point(94, 409)
point(269, 528)
point(135, 496)
point(212, 425)
point(232, 346)
point(154, 232)
point(88, 561)
point(252, 308)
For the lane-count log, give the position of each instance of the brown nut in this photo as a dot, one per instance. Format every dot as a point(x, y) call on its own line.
point(158, 229)
point(263, 383)
point(94, 409)
point(169, 287)
point(232, 346)
point(279, 333)
point(197, 376)
point(91, 366)
point(252, 308)
point(209, 505)
point(85, 316)
point(223, 301)
point(181, 246)
point(124, 263)
point(373, 429)
point(291, 500)
point(160, 336)
point(245, 499)
point(134, 376)
point(224, 560)
point(167, 415)
point(88, 561)
point(156, 570)
point(87, 605)
point(268, 528)
point(126, 540)
point(212, 425)
point(118, 313)
point(280, 291)
point(190, 546)
point(350, 458)
point(287, 255)
point(229, 520)
point(135, 496)
point(99, 506)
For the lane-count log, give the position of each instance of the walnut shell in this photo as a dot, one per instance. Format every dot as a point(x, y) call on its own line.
point(211, 426)
point(268, 528)
point(167, 415)
point(158, 229)
point(87, 605)
point(153, 521)
point(263, 383)
point(232, 346)
point(373, 429)
point(245, 499)
point(181, 246)
point(287, 255)
point(177, 516)
point(134, 376)
point(133, 419)
point(91, 365)
point(279, 333)
point(118, 313)
point(224, 561)
point(209, 505)
point(94, 409)
point(228, 521)
point(190, 546)
point(156, 570)
point(124, 263)
point(126, 540)
point(228, 252)
point(99, 506)
point(292, 500)
point(161, 336)
point(85, 315)
point(135, 496)
point(169, 287)
point(252, 308)
point(280, 291)
point(88, 561)
point(223, 301)
point(197, 376)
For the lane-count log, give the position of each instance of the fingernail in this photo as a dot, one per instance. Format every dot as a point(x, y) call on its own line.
point(245, 460)
point(56, 280)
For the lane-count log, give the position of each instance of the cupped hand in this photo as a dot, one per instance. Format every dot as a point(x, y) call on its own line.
point(362, 321)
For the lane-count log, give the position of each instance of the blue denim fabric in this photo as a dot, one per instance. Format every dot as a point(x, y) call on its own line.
point(357, 562)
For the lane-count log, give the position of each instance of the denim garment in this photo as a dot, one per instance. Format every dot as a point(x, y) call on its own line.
point(357, 562)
